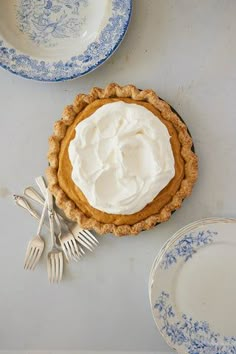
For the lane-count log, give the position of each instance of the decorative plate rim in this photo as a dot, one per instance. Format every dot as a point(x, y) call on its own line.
point(6, 50)
point(177, 235)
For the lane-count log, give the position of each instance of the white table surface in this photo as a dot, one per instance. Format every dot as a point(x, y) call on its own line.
point(186, 51)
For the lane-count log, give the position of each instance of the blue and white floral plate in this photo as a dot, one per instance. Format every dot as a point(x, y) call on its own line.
point(192, 288)
point(56, 40)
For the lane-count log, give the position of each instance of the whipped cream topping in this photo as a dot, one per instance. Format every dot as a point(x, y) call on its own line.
point(121, 158)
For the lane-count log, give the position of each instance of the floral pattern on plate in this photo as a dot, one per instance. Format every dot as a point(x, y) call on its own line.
point(196, 336)
point(45, 20)
point(187, 246)
point(98, 51)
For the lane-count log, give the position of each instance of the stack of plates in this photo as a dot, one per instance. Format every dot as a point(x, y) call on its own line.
point(192, 288)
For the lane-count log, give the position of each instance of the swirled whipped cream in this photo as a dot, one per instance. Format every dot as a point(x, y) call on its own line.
point(121, 157)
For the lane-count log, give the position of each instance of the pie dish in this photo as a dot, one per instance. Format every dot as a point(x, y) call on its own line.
point(174, 171)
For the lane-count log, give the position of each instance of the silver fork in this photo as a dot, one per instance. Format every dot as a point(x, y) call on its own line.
point(68, 243)
point(23, 203)
point(67, 240)
point(83, 237)
point(31, 193)
point(36, 245)
point(55, 257)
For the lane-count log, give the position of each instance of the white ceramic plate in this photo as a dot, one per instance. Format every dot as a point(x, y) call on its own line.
point(192, 288)
point(55, 40)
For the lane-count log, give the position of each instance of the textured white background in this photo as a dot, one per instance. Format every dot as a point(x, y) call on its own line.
point(183, 49)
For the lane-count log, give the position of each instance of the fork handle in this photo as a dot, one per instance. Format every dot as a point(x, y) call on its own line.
point(41, 221)
point(22, 202)
point(49, 201)
point(42, 185)
point(31, 193)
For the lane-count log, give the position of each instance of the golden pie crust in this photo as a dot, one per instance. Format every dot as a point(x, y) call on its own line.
point(71, 199)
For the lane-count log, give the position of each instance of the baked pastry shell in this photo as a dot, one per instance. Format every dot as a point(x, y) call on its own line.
point(71, 210)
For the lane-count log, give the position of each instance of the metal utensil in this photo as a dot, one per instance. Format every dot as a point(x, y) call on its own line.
point(67, 240)
point(23, 203)
point(31, 193)
point(55, 256)
point(36, 245)
point(83, 237)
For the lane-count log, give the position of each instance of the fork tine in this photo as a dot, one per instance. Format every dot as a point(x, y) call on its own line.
point(92, 236)
point(81, 250)
point(84, 242)
point(86, 238)
point(33, 259)
point(35, 255)
point(76, 253)
point(73, 255)
point(29, 253)
point(53, 267)
point(80, 236)
point(74, 243)
point(37, 259)
point(91, 240)
point(57, 267)
point(49, 268)
point(75, 248)
point(60, 266)
point(68, 249)
point(65, 251)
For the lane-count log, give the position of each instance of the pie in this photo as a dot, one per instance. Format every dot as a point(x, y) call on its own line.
point(120, 160)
